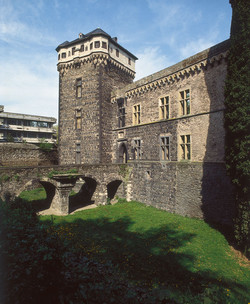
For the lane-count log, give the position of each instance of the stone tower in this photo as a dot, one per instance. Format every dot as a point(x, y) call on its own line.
point(90, 68)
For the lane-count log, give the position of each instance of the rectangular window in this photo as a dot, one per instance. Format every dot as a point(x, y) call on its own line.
point(97, 44)
point(117, 53)
point(79, 87)
point(164, 149)
point(121, 115)
point(91, 45)
point(164, 108)
point(63, 55)
point(136, 115)
point(78, 119)
point(104, 45)
point(73, 50)
point(185, 147)
point(185, 102)
point(78, 154)
point(129, 61)
point(58, 56)
point(137, 148)
point(82, 48)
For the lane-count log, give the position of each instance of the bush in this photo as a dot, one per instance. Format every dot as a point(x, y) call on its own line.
point(37, 266)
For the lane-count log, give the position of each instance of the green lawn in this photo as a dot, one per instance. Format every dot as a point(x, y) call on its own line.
point(35, 194)
point(176, 256)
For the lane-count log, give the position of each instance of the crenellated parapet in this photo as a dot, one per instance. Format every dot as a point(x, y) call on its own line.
point(96, 59)
point(97, 48)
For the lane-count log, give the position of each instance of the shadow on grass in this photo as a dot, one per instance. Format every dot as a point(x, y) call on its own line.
point(152, 258)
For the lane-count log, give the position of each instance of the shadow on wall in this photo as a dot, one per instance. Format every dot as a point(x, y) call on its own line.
point(84, 196)
point(217, 190)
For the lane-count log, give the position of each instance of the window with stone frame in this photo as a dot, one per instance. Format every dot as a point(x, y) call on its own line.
point(58, 56)
point(137, 148)
point(64, 55)
point(82, 48)
point(78, 87)
point(78, 119)
point(97, 44)
point(164, 148)
point(91, 46)
point(129, 61)
point(78, 153)
point(121, 114)
point(185, 103)
point(185, 147)
point(117, 53)
point(104, 45)
point(164, 107)
point(136, 114)
point(73, 50)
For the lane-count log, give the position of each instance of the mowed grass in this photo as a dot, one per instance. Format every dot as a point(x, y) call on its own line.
point(175, 255)
point(34, 194)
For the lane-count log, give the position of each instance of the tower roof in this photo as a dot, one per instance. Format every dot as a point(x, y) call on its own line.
point(97, 32)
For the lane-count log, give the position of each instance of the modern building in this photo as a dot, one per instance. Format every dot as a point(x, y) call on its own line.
point(26, 128)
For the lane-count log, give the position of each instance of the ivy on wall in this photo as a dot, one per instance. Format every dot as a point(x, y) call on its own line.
point(237, 122)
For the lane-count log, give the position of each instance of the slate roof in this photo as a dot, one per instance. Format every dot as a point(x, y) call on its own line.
point(96, 32)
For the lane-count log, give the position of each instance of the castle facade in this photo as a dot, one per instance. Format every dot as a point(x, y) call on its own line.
point(169, 125)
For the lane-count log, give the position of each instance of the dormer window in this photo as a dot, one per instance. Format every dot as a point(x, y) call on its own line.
point(117, 53)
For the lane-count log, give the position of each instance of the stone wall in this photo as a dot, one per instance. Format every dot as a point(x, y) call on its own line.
point(94, 136)
point(19, 154)
point(199, 190)
point(205, 123)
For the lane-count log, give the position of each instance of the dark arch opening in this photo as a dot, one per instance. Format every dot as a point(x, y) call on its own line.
point(38, 188)
point(112, 188)
point(84, 197)
point(123, 154)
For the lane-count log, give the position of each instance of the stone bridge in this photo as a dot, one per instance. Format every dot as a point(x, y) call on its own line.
point(201, 190)
point(98, 184)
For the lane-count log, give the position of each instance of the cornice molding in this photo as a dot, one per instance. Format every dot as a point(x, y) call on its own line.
point(176, 76)
point(95, 59)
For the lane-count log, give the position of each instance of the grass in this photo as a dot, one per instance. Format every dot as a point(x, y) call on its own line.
point(34, 194)
point(176, 256)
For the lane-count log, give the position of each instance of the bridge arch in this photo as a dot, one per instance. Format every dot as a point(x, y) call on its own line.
point(47, 185)
point(85, 194)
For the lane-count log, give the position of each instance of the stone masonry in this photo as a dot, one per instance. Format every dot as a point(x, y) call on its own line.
point(167, 127)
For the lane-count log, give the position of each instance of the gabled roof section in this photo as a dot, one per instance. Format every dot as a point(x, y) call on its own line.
point(96, 32)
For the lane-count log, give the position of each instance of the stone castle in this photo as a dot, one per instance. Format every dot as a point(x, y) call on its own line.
point(168, 126)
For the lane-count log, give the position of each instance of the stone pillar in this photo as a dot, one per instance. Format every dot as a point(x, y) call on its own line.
point(101, 194)
point(63, 198)
point(64, 185)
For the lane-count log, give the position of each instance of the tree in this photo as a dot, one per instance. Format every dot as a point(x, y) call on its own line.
point(237, 122)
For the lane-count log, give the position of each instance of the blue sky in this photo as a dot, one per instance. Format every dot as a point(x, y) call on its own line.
point(159, 32)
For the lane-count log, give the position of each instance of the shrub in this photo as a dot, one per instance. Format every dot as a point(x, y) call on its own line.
point(40, 267)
